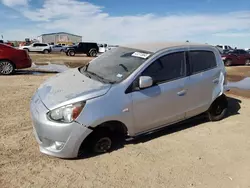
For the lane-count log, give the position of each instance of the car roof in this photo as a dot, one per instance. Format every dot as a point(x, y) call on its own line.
point(154, 47)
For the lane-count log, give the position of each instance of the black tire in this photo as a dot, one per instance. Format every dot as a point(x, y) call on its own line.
point(247, 62)
point(228, 62)
point(71, 53)
point(45, 51)
point(6, 67)
point(218, 109)
point(67, 53)
point(100, 141)
point(93, 53)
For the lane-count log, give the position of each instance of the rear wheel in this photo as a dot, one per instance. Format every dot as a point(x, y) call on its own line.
point(228, 62)
point(45, 51)
point(6, 67)
point(247, 62)
point(93, 53)
point(218, 109)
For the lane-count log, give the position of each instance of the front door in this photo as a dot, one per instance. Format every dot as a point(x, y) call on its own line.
point(164, 102)
point(242, 55)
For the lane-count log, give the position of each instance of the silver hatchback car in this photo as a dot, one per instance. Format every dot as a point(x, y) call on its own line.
point(127, 91)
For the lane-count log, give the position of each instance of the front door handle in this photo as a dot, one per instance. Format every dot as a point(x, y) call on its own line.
point(182, 93)
point(216, 81)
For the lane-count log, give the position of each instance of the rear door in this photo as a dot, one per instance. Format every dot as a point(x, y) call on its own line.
point(38, 47)
point(165, 102)
point(203, 80)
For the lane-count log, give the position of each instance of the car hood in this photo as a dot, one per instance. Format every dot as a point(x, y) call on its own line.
point(69, 87)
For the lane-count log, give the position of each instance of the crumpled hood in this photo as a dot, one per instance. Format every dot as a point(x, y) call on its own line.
point(70, 86)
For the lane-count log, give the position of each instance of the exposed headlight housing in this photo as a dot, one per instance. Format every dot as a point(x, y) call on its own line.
point(66, 114)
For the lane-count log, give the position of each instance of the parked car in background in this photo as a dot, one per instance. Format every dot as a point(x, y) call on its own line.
point(236, 57)
point(102, 48)
point(225, 48)
point(127, 91)
point(89, 48)
point(37, 47)
point(12, 59)
point(58, 48)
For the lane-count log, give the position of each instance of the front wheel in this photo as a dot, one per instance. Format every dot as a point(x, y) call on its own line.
point(228, 62)
point(218, 109)
point(101, 141)
point(247, 62)
point(6, 67)
point(71, 53)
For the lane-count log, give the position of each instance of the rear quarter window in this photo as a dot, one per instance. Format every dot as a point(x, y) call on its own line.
point(201, 61)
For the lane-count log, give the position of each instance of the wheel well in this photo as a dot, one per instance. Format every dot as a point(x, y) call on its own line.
point(114, 126)
point(222, 97)
point(9, 61)
point(228, 59)
point(92, 49)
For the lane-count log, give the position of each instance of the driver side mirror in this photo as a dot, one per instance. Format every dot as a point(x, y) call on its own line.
point(145, 82)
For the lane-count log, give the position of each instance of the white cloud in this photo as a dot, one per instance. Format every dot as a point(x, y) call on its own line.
point(93, 24)
point(232, 34)
point(11, 3)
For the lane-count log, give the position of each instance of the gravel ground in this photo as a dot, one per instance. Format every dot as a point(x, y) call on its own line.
point(194, 154)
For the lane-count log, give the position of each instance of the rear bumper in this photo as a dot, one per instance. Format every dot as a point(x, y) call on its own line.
point(26, 63)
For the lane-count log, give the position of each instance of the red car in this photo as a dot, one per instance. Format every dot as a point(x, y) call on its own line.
point(236, 57)
point(12, 59)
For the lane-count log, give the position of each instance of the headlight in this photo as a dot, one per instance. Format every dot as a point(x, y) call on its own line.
point(66, 114)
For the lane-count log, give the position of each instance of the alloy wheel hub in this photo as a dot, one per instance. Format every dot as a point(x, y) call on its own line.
point(5, 67)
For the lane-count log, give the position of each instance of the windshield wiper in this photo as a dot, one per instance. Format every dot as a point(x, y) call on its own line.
point(100, 78)
point(123, 66)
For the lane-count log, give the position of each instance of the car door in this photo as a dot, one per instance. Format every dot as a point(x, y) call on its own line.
point(80, 48)
point(203, 82)
point(32, 48)
point(242, 56)
point(57, 48)
point(165, 102)
point(38, 47)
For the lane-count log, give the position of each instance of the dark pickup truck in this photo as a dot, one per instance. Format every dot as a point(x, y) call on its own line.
point(89, 48)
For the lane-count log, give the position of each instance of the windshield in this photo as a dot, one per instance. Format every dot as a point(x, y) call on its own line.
point(117, 64)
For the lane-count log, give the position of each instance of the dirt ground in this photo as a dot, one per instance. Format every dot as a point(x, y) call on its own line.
point(194, 154)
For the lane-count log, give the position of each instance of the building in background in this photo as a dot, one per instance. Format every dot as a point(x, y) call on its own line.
point(60, 38)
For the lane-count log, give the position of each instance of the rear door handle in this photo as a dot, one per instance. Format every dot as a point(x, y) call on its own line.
point(216, 81)
point(182, 93)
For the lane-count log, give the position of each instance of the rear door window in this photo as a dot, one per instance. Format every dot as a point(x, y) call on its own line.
point(201, 61)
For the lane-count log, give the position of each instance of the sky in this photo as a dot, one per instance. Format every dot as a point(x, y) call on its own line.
point(122, 22)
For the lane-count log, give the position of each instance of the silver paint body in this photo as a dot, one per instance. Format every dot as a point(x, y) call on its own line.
point(141, 111)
